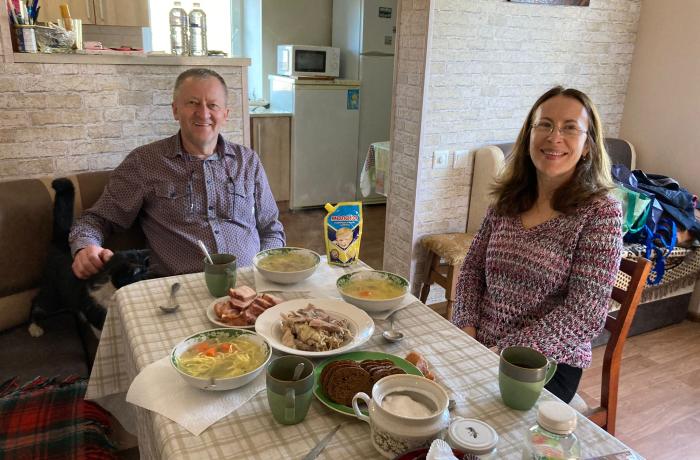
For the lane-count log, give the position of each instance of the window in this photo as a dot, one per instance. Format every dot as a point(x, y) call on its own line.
point(219, 20)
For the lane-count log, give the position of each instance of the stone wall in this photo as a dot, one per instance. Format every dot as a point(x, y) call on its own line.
point(409, 77)
point(66, 118)
point(485, 64)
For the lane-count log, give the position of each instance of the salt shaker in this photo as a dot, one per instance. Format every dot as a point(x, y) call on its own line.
point(474, 437)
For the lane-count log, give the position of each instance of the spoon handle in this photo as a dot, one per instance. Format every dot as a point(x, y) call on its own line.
point(204, 250)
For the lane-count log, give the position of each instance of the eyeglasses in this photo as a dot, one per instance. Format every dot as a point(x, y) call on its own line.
point(546, 128)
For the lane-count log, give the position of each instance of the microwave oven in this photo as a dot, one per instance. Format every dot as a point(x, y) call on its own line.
point(308, 61)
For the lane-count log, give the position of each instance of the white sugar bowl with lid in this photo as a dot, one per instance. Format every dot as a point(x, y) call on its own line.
point(473, 436)
point(406, 412)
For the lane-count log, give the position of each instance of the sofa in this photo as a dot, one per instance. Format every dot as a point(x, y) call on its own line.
point(676, 298)
point(26, 216)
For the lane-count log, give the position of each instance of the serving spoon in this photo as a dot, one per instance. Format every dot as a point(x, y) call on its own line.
point(172, 306)
point(392, 335)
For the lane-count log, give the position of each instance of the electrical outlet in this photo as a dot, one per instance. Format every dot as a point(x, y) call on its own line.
point(440, 158)
point(461, 159)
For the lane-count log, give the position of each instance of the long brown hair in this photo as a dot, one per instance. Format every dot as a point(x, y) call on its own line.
point(515, 190)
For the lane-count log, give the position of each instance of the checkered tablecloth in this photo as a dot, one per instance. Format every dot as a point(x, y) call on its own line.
point(137, 333)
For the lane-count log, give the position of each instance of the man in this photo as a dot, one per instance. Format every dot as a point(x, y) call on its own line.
point(191, 186)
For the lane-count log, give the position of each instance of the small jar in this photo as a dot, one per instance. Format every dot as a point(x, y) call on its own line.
point(474, 437)
point(553, 437)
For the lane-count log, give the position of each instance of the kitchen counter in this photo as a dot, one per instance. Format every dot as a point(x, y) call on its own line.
point(258, 112)
point(75, 58)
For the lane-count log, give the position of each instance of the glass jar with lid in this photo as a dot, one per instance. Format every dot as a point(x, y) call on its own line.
point(474, 437)
point(553, 437)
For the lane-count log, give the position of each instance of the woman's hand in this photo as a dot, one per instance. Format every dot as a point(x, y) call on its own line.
point(470, 330)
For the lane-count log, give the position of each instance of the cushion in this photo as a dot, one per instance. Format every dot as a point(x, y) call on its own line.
point(451, 247)
point(49, 419)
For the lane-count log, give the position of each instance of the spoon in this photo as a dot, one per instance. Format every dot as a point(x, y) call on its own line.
point(205, 252)
point(391, 335)
point(172, 305)
point(297, 371)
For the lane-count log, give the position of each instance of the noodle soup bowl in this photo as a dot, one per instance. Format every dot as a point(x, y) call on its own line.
point(221, 336)
point(286, 265)
point(373, 290)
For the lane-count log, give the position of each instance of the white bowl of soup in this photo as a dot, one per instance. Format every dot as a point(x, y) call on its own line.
point(373, 290)
point(221, 359)
point(286, 265)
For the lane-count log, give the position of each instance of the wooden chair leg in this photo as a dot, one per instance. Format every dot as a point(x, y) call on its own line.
point(433, 263)
point(451, 290)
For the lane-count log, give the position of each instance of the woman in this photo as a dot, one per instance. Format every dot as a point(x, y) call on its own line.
point(541, 268)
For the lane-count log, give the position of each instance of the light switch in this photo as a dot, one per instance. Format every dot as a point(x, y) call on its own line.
point(440, 158)
point(461, 159)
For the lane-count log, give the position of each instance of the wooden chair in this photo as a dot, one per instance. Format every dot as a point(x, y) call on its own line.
point(446, 251)
point(618, 326)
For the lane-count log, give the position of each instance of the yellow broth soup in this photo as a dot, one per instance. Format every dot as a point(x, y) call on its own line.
point(292, 261)
point(372, 288)
point(221, 358)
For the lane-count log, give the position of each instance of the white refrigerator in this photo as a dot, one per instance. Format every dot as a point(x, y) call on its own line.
point(325, 124)
point(365, 32)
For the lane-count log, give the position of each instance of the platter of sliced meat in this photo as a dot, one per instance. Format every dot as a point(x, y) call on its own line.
point(315, 327)
point(241, 308)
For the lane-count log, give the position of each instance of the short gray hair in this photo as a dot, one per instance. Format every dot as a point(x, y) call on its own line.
point(199, 73)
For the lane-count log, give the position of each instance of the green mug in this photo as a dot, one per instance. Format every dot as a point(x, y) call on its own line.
point(221, 275)
point(289, 399)
point(522, 373)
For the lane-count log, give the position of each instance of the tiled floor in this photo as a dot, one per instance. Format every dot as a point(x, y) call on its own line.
point(304, 229)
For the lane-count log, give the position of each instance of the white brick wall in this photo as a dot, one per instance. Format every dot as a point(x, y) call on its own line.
point(485, 63)
point(65, 118)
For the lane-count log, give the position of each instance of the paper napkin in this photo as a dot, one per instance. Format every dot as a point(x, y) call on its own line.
point(159, 388)
point(440, 450)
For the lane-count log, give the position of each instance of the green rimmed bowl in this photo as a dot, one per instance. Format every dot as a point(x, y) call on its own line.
point(373, 302)
point(285, 276)
point(227, 383)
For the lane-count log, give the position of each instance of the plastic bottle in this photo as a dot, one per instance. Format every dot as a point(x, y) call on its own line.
point(553, 437)
point(178, 30)
point(198, 31)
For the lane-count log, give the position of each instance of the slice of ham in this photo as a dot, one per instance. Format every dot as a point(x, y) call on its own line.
point(263, 303)
point(256, 309)
point(243, 293)
point(274, 300)
point(240, 304)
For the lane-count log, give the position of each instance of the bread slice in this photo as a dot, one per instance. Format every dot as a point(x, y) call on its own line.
point(345, 382)
point(324, 373)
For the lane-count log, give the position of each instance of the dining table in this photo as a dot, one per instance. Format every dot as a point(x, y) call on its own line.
point(137, 333)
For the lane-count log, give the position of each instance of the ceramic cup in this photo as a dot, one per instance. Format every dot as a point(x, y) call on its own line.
point(289, 399)
point(221, 275)
point(522, 374)
point(393, 434)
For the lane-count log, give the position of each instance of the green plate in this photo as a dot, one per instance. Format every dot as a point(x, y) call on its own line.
point(356, 356)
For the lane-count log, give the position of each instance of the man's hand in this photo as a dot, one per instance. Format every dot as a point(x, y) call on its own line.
point(90, 260)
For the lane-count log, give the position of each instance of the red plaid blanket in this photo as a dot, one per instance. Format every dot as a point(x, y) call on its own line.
point(49, 419)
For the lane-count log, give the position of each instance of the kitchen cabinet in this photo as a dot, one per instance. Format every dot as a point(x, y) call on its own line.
point(271, 138)
point(100, 12)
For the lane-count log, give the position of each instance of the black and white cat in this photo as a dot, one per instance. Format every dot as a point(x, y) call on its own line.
point(61, 291)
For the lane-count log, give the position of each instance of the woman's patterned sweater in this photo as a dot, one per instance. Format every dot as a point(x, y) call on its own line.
point(545, 287)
